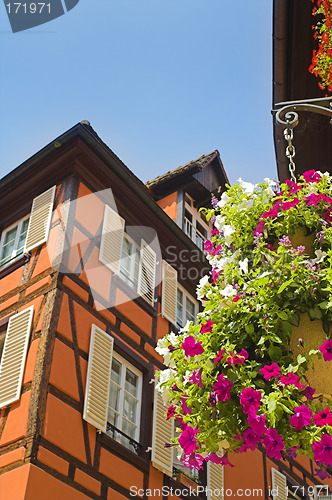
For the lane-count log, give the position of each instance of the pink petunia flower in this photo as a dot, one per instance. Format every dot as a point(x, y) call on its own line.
point(291, 379)
point(185, 408)
point(302, 416)
point(274, 444)
point(270, 371)
point(323, 450)
point(196, 377)
point(207, 327)
point(326, 350)
point(290, 204)
point(222, 388)
point(219, 356)
point(193, 461)
point(250, 399)
point(309, 392)
point(187, 440)
point(191, 347)
point(170, 412)
point(311, 176)
point(235, 359)
point(257, 423)
point(323, 417)
point(215, 459)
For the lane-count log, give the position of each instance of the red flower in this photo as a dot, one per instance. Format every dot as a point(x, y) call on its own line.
point(188, 441)
point(170, 412)
point(323, 450)
point(273, 444)
point(302, 416)
point(192, 348)
point(222, 387)
point(250, 399)
point(323, 417)
point(207, 327)
point(270, 371)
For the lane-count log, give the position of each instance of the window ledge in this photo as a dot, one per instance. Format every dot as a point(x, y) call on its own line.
point(14, 264)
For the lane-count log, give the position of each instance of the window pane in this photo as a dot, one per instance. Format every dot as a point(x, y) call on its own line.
point(129, 429)
point(112, 417)
point(179, 308)
point(190, 310)
point(8, 244)
point(129, 408)
point(114, 397)
point(116, 371)
point(23, 234)
point(131, 382)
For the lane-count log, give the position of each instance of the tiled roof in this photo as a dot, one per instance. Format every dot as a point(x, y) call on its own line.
point(194, 165)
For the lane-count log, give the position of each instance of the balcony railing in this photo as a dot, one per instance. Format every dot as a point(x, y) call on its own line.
point(194, 234)
point(123, 438)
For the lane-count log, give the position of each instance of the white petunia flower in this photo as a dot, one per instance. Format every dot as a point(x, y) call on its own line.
point(228, 232)
point(228, 291)
point(223, 200)
point(246, 186)
point(220, 222)
point(243, 265)
point(320, 256)
point(243, 205)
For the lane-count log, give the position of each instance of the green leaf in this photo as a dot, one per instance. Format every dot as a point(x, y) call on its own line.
point(295, 319)
point(275, 353)
point(272, 403)
point(259, 383)
point(324, 305)
point(326, 326)
point(284, 285)
point(250, 328)
point(282, 315)
point(315, 314)
point(301, 359)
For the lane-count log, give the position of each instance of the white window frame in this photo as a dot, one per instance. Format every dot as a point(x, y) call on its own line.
point(14, 254)
point(130, 281)
point(186, 296)
point(196, 218)
point(125, 364)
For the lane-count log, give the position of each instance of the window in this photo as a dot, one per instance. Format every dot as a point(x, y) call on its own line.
point(3, 329)
point(130, 259)
point(195, 224)
point(124, 402)
point(13, 240)
point(186, 309)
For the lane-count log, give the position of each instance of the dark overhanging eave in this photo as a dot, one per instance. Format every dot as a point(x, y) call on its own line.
point(114, 163)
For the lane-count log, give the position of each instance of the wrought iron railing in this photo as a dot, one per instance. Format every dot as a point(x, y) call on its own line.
point(129, 442)
point(194, 234)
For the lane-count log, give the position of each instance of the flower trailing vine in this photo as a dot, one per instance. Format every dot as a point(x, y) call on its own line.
point(321, 65)
point(231, 379)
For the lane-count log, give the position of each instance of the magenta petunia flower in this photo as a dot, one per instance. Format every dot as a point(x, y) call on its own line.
point(323, 450)
point(215, 459)
point(219, 356)
point(193, 461)
point(326, 350)
point(270, 371)
point(222, 387)
point(236, 298)
point(196, 377)
point(185, 408)
point(302, 416)
point(290, 204)
point(187, 440)
point(191, 347)
point(291, 379)
point(250, 439)
point(323, 417)
point(207, 327)
point(274, 444)
point(235, 359)
point(170, 412)
point(215, 276)
point(260, 227)
point(322, 474)
point(291, 452)
point(311, 176)
point(257, 424)
point(250, 399)
point(309, 392)
point(294, 187)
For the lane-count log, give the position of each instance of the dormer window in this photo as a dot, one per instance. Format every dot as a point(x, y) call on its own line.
point(195, 224)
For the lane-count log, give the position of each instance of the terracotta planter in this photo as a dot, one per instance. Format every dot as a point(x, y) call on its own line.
point(313, 335)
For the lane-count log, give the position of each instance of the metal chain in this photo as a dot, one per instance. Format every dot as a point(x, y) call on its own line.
point(290, 151)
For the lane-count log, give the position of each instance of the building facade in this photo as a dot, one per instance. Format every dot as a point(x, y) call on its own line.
point(95, 267)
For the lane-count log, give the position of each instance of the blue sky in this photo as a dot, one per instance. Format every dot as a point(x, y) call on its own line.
point(162, 82)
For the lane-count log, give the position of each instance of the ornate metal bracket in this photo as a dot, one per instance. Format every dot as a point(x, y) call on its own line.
point(289, 110)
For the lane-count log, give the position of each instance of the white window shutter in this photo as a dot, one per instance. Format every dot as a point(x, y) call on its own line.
point(111, 240)
point(169, 292)
point(147, 272)
point(40, 220)
point(215, 481)
point(14, 356)
point(98, 378)
point(279, 485)
point(162, 432)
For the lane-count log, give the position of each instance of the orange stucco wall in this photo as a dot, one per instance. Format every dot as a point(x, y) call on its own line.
point(169, 204)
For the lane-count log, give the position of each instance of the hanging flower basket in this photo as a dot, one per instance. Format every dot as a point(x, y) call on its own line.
point(244, 375)
point(321, 65)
